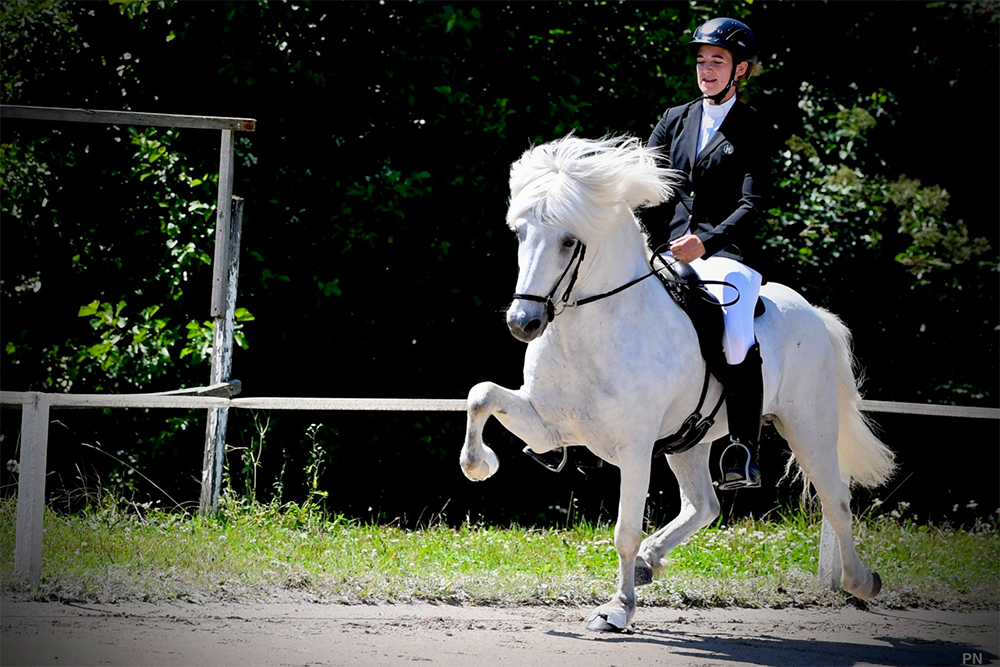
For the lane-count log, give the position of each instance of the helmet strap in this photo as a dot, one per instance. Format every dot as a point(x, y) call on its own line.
point(718, 97)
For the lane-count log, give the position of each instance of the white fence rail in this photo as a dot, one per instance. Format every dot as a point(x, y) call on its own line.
point(195, 401)
point(35, 408)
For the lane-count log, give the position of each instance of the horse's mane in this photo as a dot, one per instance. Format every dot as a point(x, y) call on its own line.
point(581, 184)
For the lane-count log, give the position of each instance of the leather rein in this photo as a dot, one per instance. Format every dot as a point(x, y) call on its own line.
point(695, 426)
point(579, 252)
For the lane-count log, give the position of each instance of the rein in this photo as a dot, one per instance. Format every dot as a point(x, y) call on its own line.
point(695, 427)
point(579, 253)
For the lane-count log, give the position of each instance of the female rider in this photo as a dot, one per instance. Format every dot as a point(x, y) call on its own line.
point(720, 144)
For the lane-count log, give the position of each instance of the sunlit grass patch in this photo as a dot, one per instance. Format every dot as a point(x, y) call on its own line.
point(288, 552)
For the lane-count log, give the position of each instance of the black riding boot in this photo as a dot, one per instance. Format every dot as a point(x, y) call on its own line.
point(744, 403)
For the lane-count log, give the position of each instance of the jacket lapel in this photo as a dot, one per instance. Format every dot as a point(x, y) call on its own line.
point(719, 138)
point(686, 148)
point(713, 143)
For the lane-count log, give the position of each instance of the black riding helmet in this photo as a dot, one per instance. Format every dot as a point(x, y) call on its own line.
point(731, 35)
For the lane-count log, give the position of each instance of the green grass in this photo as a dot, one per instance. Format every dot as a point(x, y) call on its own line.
point(113, 552)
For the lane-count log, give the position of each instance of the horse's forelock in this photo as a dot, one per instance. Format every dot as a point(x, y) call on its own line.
point(581, 184)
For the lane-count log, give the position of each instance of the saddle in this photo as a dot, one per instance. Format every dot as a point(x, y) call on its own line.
point(705, 312)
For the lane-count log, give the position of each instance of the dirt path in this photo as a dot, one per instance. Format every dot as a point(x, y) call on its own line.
point(52, 633)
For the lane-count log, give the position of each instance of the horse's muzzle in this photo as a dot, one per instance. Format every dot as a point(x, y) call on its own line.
point(526, 320)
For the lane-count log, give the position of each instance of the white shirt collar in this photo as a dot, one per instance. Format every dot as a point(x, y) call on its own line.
point(717, 111)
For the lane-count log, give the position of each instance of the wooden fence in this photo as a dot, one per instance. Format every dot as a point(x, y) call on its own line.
point(35, 407)
point(217, 398)
point(225, 266)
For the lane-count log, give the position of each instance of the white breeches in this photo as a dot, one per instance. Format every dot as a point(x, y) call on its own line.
point(737, 335)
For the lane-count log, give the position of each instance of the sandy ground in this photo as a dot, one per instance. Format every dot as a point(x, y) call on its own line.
point(53, 633)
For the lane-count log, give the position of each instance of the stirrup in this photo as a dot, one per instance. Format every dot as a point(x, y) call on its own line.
point(739, 477)
point(549, 463)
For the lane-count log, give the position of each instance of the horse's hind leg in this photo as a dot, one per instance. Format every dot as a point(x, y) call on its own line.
point(699, 507)
point(814, 443)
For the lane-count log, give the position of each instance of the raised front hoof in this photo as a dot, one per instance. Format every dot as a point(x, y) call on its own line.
point(483, 467)
point(643, 572)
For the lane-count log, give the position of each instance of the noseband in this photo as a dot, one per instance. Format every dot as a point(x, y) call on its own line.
point(550, 307)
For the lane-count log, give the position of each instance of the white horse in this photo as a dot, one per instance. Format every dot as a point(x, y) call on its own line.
point(618, 373)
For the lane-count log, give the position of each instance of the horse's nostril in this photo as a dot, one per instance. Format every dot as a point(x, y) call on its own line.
point(532, 326)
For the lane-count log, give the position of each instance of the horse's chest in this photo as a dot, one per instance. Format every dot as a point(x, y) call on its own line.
point(580, 402)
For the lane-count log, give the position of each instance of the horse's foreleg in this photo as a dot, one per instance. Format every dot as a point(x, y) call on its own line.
point(699, 507)
point(616, 613)
point(515, 412)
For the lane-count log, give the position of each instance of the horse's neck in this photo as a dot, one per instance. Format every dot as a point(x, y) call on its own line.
point(642, 323)
point(617, 259)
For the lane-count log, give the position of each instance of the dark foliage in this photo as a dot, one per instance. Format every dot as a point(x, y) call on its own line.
point(375, 260)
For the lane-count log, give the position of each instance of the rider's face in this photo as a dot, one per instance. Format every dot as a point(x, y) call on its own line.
point(714, 67)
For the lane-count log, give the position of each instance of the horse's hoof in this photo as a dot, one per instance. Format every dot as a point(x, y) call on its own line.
point(643, 574)
point(615, 620)
point(482, 469)
point(600, 624)
point(876, 584)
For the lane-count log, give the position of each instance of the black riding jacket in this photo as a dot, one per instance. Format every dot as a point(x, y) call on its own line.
point(723, 195)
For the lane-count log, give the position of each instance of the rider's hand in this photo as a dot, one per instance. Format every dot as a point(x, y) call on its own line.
point(687, 248)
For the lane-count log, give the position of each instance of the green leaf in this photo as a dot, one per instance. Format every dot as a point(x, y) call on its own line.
point(243, 315)
point(100, 349)
point(89, 309)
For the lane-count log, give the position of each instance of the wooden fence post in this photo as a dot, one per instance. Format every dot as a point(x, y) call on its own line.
point(222, 365)
point(31, 488)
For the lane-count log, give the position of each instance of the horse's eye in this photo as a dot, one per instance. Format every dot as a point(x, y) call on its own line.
point(569, 242)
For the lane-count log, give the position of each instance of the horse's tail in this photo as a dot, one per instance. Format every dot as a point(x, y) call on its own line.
point(864, 459)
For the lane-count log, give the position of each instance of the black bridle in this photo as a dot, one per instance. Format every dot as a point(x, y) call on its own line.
point(550, 307)
point(695, 427)
point(579, 252)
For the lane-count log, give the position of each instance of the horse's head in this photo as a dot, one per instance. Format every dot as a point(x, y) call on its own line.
point(566, 196)
point(548, 261)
